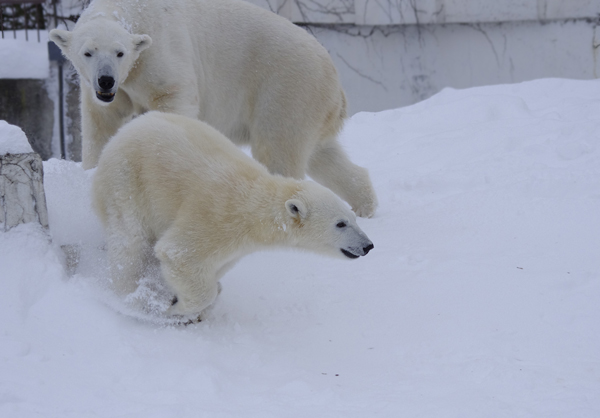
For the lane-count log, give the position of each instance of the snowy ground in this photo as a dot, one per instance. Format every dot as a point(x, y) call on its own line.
point(480, 299)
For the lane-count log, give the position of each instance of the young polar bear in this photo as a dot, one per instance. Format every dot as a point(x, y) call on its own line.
point(250, 73)
point(175, 188)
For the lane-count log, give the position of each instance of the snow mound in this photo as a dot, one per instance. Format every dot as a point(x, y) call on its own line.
point(13, 140)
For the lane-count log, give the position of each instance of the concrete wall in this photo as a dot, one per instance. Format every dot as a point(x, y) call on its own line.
point(25, 103)
point(384, 67)
point(32, 104)
point(411, 12)
point(392, 53)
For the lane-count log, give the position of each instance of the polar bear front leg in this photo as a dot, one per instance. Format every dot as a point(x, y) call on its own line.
point(100, 122)
point(193, 281)
point(194, 291)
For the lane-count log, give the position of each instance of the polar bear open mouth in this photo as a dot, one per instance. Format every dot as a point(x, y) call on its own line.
point(105, 97)
point(349, 254)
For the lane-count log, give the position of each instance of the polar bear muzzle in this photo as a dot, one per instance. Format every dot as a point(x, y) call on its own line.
point(357, 252)
point(105, 84)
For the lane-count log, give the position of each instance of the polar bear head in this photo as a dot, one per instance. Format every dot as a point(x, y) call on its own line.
point(321, 222)
point(103, 53)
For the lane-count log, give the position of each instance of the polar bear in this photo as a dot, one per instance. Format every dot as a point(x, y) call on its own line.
point(174, 188)
point(251, 74)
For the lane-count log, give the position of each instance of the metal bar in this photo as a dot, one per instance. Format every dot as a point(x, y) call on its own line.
point(26, 16)
point(61, 122)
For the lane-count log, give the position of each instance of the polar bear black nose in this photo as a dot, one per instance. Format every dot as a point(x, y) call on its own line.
point(368, 248)
point(106, 82)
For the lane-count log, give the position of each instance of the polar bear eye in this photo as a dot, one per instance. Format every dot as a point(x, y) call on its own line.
point(341, 224)
point(120, 54)
point(87, 54)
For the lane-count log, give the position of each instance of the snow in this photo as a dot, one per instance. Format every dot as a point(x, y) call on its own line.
point(23, 57)
point(13, 140)
point(479, 299)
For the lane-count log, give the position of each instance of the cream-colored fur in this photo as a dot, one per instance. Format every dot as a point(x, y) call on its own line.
point(175, 188)
point(250, 73)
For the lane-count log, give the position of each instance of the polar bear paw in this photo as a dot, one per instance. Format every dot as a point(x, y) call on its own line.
point(365, 205)
point(365, 211)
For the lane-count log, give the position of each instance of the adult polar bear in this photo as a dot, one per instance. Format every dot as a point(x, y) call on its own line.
point(174, 188)
point(250, 73)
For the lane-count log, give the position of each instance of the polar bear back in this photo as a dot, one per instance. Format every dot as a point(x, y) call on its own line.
point(143, 166)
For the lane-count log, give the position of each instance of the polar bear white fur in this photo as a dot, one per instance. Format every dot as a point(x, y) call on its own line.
point(253, 75)
point(174, 188)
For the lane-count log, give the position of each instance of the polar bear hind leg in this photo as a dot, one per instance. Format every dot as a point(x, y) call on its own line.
point(330, 166)
point(129, 252)
point(294, 153)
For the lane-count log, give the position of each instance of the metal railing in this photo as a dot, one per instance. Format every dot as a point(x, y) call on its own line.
point(24, 16)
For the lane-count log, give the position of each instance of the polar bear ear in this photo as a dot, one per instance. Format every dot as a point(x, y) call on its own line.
point(296, 208)
point(141, 42)
point(60, 37)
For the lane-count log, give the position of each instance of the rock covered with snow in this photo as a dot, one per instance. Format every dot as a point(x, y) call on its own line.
point(22, 198)
point(13, 140)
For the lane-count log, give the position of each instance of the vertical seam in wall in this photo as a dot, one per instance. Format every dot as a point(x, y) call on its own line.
point(595, 50)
